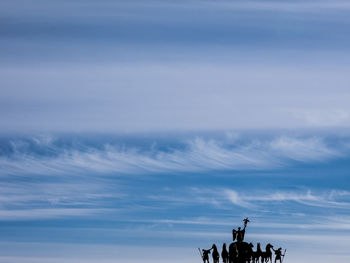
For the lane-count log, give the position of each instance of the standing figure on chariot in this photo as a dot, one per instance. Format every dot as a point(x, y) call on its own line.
point(239, 234)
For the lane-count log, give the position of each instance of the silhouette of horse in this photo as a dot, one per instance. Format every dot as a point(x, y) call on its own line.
point(215, 254)
point(257, 254)
point(224, 254)
point(267, 254)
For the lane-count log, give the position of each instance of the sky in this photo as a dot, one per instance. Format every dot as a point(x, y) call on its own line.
point(141, 130)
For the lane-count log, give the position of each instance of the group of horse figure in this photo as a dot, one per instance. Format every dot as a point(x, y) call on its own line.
point(242, 252)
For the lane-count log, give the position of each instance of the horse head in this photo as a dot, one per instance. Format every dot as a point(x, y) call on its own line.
point(268, 246)
point(258, 247)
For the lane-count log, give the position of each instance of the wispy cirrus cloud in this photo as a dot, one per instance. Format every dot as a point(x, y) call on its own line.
point(52, 172)
point(58, 192)
point(303, 150)
point(315, 222)
point(193, 155)
point(328, 199)
point(48, 213)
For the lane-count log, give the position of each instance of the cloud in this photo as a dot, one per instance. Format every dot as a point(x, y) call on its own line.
point(58, 172)
point(236, 199)
point(47, 157)
point(322, 117)
point(58, 198)
point(48, 252)
point(192, 221)
point(326, 199)
point(137, 82)
point(311, 223)
point(56, 193)
point(303, 150)
point(48, 213)
point(182, 99)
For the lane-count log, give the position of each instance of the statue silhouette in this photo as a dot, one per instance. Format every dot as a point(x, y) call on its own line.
point(215, 254)
point(248, 252)
point(224, 254)
point(242, 252)
point(233, 253)
point(240, 234)
point(266, 255)
point(205, 255)
point(246, 221)
point(278, 253)
point(234, 234)
point(257, 254)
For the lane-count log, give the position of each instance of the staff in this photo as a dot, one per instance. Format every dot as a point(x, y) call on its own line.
point(200, 252)
point(246, 221)
point(283, 255)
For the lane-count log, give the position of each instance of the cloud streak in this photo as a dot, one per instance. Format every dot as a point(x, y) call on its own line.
point(48, 213)
point(328, 199)
point(195, 155)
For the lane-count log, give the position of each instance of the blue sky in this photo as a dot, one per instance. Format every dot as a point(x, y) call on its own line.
point(141, 130)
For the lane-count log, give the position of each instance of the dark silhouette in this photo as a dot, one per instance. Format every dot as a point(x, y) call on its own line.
point(224, 254)
point(257, 254)
point(242, 252)
point(248, 252)
point(266, 255)
point(233, 253)
point(215, 255)
point(285, 251)
point(234, 234)
point(246, 221)
point(278, 253)
point(240, 234)
point(205, 255)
